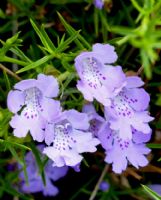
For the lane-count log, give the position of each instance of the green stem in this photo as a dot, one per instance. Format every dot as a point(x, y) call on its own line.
point(13, 60)
point(63, 76)
point(123, 40)
point(5, 69)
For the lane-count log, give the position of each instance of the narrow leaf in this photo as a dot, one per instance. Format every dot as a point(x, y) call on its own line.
point(36, 64)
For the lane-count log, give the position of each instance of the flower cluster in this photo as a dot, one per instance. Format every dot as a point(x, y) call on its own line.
point(122, 132)
point(125, 129)
point(35, 182)
point(36, 112)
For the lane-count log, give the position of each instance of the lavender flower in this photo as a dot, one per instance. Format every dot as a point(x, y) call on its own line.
point(104, 186)
point(98, 80)
point(95, 120)
point(35, 183)
point(119, 151)
point(128, 109)
point(156, 188)
point(31, 102)
point(70, 138)
point(99, 3)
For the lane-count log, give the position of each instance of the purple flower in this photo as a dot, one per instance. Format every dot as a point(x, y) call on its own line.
point(70, 138)
point(128, 109)
point(119, 151)
point(31, 102)
point(104, 186)
point(99, 80)
point(95, 120)
point(35, 183)
point(99, 3)
point(156, 188)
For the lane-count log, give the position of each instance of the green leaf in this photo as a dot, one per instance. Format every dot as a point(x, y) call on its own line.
point(151, 193)
point(8, 188)
point(2, 14)
point(11, 42)
point(39, 162)
point(137, 6)
point(123, 30)
point(20, 54)
point(36, 63)
point(15, 155)
point(146, 63)
point(12, 143)
point(64, 45)
point(154, 146)
point(48, 40)
point(71, 31)
point(43, 37)
point(158, 101)
point(159, 159)
point(7, 82)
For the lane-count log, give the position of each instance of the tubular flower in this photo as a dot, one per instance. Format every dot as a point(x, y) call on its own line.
point(95, 119)
point(69, 138)
point(99, 3)
point(119, 151)
point(99, 80)
point(35, 183)
point(31, 102)
point(128, 109)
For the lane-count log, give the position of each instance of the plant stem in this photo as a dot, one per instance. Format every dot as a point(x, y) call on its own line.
point(13, 60)
point(10, 72)
point(94, 193)
point(63, 76)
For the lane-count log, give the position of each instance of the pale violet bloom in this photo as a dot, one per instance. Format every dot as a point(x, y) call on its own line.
point(95, 119)
point(156, 188)
point(128, 109)
point(69, 137)
point(104, 186)
point(98, 79)
point(121, 151)
point(31, 102)
point(99, 3)
point(35, 182)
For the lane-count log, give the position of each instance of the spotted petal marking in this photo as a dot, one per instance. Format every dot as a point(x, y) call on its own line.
point(91, 72)
point(121, 104)
point(62, 138)
point(33, 97)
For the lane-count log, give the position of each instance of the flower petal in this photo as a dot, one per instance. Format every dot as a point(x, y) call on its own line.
point(140, 122)
point(55, 156)
point(51, 109)
point(85, 142)
point(123, 126)
point(139, 137)
point(75, 117)
point(18, 124)
point(138, 98)
point(25, 84)
point(15, 100)
point(84, 89)
point(134, 82)
point(34, 185)
point(49, 85)
point(118, 160)
point(49, 189)
point(55, 173)
point(105, 52)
